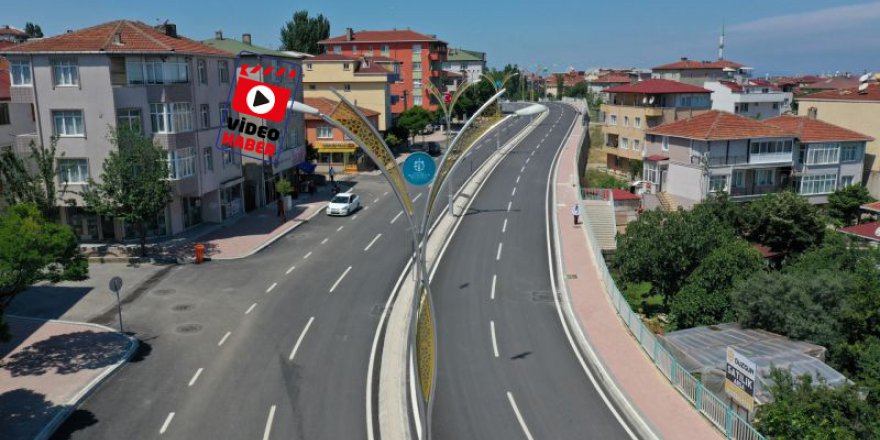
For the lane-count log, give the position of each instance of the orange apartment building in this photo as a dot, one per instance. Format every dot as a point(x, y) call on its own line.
point(421, 57)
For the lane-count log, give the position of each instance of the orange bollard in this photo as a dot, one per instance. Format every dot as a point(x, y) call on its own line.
point(200, 253)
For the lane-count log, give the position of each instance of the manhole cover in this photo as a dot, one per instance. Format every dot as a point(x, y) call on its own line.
point(165, 292)
point(188, 328)
point(183, 307)
point(545, 296)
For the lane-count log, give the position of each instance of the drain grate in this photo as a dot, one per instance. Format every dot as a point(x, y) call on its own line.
point(165, 292)
point(543, 296)
point(188, 328)
point(183, 307)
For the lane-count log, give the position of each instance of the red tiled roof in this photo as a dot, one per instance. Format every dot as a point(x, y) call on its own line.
point(765, 251)
point(657, 157)
point(872, 93)
point(622, 194)
point(333, 57)
point(719, 125)
point(870, 231)
point(738, 87)
point(380, 37)
point(10, 30)
point(136, 37)
point(874, 207)
point(371, 69)
point(327, 105)
point(687, 64)
point(833, 83)
point(611, 79)
point(381, 59)
point(657, 86)
point(812, 130)
point(4, 44)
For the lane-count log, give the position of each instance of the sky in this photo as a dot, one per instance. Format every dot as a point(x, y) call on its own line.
point(772, 36)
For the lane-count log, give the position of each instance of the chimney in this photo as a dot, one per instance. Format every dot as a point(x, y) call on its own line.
point(246, 39)
point(684, 58)
point(218, 34)
point(349, 34)
point(69, 31)
point(117, 38)
point(169, 29)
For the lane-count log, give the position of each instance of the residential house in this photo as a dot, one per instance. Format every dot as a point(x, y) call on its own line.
point(15, 117)
point(469, 63)
point(698, 72)
point(421, 59)
point(260, 175)
point(826, 84)
point(12, 34)
point(755, 98)
point(855, 110)
point(722, 152)
point(366, 81)
point(604, 82)
point(866, 232)
point(634, 108)
point(334, 148)
point(126, 73)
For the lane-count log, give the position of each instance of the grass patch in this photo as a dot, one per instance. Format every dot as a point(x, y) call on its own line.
point(601, 179)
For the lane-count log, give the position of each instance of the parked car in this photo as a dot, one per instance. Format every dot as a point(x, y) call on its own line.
point(433, 148)
point(343, 204)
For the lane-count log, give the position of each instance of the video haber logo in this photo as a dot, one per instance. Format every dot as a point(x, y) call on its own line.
point(259, 99)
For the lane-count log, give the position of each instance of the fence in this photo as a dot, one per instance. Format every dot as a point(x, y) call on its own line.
point(719, 413)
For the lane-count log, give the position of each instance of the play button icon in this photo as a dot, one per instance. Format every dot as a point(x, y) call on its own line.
point(256, 98)
point(261, 99)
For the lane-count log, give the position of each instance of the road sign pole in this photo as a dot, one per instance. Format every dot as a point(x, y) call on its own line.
point(116, 286)
point(119, 309)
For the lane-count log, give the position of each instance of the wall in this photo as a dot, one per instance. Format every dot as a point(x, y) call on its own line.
point(20, 122)
point(368, 91)
point(685, 181)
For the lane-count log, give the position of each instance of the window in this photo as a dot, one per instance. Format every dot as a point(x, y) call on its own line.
point(203, 71)
point(818, 184)
point(417, 99)
point(325, 132)
point(171, 117)
point(337, 49)
point(65, 73)
point(417, 49)
point(739, 179)
point(775, 106)
point(665, 143)
point(850, 153)
point(771, 147)
point(417, 67)
point(637, 145)
point(638, 122)
point(370, 50)
point(742, 107)
point(821, 154)
point(73, 170)
point(346, 66)
point(308, 66)
point(624, 143)
point(846, 181)
point(763, 177)
point(4, 113)
point(612, 119)
point(717, 183)
point(346, 87)
point(626, 121)
point(208, 158)
point(228, 158)
point(129, 118)
point(386, 50)
point(20, 72)
point(181, 163)
point(223, 71)
point(224, 112)
point(156, 70)
point(354, 49)
point(205, 112)
point(68, 123)
point(312, 87)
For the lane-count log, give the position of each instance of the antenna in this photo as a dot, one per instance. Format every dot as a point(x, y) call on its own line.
point(721, 43)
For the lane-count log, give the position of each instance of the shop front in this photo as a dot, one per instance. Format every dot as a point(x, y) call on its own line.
point(342, 156)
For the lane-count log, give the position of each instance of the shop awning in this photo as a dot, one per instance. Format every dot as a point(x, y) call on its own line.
point(657, 158)
point(335, 147)
point(306, 167)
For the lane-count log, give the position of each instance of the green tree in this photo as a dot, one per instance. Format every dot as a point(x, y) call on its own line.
point(392, 140)
point(579, 90)
point(302, 33)
point(33, 30)
point(560, 85)
point(844, 203)
point(720, 207)
point(414, 120)
point(32, 178)
point(34, 250)
point(635, 169)
point(784, 221)
point(134, 183)
point(705, 298)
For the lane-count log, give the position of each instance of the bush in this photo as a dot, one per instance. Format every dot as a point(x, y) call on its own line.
point(600, 179)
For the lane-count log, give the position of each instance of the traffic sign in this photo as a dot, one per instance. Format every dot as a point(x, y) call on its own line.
point(115, 284)
point(419, 169)
point(498, 83)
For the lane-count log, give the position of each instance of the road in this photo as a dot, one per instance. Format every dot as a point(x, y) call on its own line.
point(272, 346)
point(505, 367)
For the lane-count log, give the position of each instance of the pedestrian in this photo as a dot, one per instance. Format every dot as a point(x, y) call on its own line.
point(281, 213)
point(576, 212)
point(332, 174)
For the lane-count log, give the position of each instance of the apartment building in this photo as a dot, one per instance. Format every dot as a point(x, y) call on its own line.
point(722, 152)
point(11, 34)
point(366, 81)
point(698, 72)
point(753, 98)
point(421, 59)
point(83, 83)
point(855, 110)
point(469, 63)
point(260, 175)
point(632, 109)
point(15, 117)
point(333, 147)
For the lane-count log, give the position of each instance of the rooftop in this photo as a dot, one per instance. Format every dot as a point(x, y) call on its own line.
point(810, 130)
point(871, 94)
point(622, 194)
point(873, 207)
point(333, 57)
point(234, 46)
point(739, 87)
point(719, 125)
point(120, 36)
point(12, 30)
point(613, 78)
point(833, 83)
point(400, 35)
point(327, 105)
point(686, 64)
point(657, 86)
point(868, 231)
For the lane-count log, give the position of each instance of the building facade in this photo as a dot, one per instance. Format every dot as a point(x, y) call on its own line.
point(333, 147)
point(469, 63)
point(421, 59)
point(83, 84)
point(632, 109)
point(15, 117)
point(698, 72)
point(746, 158)
point(752, 98)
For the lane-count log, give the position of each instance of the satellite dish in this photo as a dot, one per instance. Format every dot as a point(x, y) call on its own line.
point(866, 77)
point(863, 88)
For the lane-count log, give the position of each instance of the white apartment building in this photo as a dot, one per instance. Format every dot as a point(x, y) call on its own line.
point(753, 98)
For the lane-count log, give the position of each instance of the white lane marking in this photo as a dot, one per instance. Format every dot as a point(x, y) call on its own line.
point(340, 279)
point(300, 338)
point(355, 216)
point(372, 241)
point(325, 240)
point(195, 377)
point(494, 342)
point(223, 339)
point(504, 227)
point(250, 309)
point(396, 217)
point(532, 153)
point(417, 197)
point(269, 423)
point(290, 270)
point(494, 279)
point(528, 159)
point(376, 200)
point(366, 208)
point(385, 193)
point(508, 206)
point(498, 255)
point(522, 169)
point(340, 228)
point(167, 422)
point(513, 193)
point(522, 423)
point(517, 178)
point(307, 255)
point(271, 287)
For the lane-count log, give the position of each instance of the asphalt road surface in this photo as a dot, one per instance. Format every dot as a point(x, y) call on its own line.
point(505, 367)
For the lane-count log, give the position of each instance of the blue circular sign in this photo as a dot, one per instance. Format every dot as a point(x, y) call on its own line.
point(419, 169)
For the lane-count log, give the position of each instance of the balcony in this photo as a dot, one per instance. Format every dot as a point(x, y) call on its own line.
point(23, 142)
point(757, 190)
point(766, 158)
point(755, 159)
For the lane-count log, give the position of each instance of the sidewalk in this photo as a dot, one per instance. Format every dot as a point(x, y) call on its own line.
point(666, 412)
point(48, 368)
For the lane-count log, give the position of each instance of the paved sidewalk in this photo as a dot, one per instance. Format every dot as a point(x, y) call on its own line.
point(667, 412)
point(48, 368)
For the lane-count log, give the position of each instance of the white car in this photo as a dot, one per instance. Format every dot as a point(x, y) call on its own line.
point(343, 204)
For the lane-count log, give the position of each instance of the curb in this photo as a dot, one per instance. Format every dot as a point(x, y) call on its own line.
point(276, 238)
point(80, 396)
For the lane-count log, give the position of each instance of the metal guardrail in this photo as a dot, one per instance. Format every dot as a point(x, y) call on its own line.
point(715, 409)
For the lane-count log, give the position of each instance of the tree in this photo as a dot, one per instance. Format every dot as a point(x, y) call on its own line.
point(414, 120)
point(134, 182)
point(302, 33)
point(32, 179)
point(635, 169)
point(705, 298)
point(560, 85)
point(579, 90)
point(34, 250)
point(844, 203)
point(33, 30)
point(784, 221)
